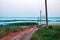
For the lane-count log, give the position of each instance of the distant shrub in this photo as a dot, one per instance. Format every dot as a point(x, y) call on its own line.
point(1, 25)
point(50, 27)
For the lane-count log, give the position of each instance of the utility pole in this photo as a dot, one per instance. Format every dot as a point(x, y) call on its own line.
point(38, 20)
point(40, 17)
point(46, 14)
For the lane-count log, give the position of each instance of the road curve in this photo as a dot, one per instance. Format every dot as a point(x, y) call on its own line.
point(26, 35)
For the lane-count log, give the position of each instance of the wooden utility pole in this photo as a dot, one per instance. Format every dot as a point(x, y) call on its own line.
point(40, 17)
point(38, 20)
point(46, 14)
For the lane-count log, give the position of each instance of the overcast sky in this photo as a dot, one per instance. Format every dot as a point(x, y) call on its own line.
point(28, 8)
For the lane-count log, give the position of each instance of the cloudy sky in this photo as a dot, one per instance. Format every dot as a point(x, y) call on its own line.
point(28, 8)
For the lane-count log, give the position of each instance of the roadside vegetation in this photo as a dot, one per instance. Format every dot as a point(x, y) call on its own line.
point(6, 29)
point(53, 33)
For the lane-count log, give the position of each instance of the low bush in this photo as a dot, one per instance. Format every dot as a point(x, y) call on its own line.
point(50, 27)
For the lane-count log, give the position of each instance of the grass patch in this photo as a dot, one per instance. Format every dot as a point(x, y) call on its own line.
point(50, 34)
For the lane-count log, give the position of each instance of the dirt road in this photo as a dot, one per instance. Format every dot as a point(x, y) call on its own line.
point(25, 35)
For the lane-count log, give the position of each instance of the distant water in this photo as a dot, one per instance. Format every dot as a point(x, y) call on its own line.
point(7, 20)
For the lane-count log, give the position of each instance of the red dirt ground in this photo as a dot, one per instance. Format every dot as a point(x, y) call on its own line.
point(12, 34)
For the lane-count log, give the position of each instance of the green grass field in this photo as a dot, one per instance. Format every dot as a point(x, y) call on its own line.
point(50, 34)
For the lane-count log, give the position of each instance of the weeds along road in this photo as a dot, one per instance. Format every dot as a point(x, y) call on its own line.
point(26, 35)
